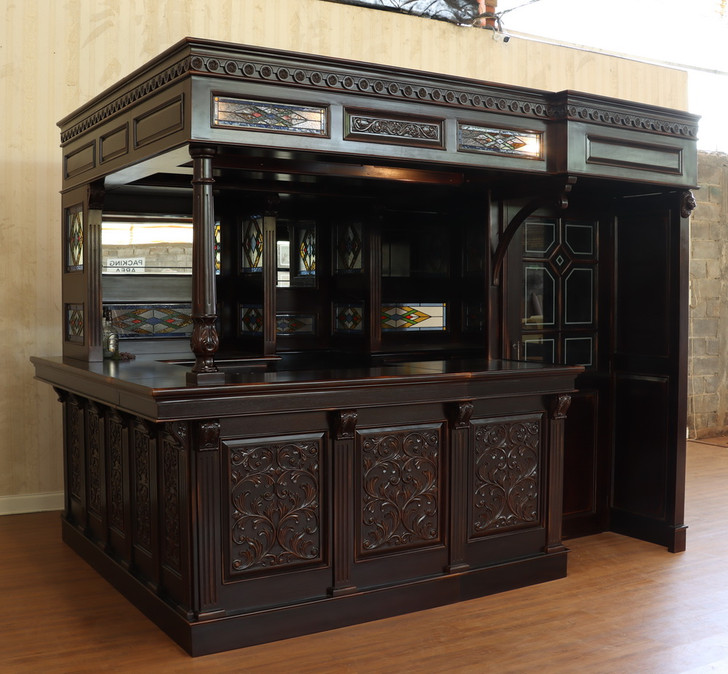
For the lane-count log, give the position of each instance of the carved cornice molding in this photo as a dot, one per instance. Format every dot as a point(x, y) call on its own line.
point(296, 71)
point(127, 99)
point(609, 117)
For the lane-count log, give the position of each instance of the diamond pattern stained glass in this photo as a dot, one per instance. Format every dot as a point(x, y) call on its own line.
point(251, 319)
point(218, 248)
point(413, 317)
point(499, 141)
point(74, 238)
point(151, 320)
point(253, 244)
point(299, 324)
point(307, 251)
point(348, 247)
point(243, 114)
point(74, 323)
point(349, 317)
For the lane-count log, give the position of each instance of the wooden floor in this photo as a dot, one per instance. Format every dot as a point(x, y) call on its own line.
point(626, 607)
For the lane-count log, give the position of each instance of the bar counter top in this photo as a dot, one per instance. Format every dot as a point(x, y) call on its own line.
point(157, 389)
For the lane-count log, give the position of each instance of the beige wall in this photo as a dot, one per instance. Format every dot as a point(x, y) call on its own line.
point(55, 55)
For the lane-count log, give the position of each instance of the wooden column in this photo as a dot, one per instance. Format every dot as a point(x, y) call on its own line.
point(270, 275)
point(460, 415)
point(344, 423)
point(204, 340)
point(559, 407)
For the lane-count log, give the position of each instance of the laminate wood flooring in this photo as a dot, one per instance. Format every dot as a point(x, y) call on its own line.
point(626, 607)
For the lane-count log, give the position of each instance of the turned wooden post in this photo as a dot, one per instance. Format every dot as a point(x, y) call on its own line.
point(204, 340)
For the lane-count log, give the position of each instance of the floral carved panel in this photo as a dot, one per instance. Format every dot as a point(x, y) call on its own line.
point(275, 503)
point(506, 475)
point(400, 488)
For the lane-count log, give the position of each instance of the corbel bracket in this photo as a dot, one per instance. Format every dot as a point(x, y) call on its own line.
point(560, 200)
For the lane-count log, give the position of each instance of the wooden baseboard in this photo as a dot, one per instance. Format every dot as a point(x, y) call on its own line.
point(213, 635)
point(31, 503)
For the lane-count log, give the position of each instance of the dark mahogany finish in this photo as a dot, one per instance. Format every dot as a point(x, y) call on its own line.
point(252, 484)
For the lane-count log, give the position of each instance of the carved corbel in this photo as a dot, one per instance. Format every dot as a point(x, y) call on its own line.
point(208, 435)
point(687, 204)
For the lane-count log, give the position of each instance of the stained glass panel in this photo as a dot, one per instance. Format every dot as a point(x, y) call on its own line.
point(307, 250)
point(253, 244)
point(251, 319)
point(74, 323)
point(244, 114)
point(218, 248)
point(74, 238)
point(499, 141)
point(151, 320)
point(414, 317)
point(298, 324)
point(348, 247)
point(349, 317)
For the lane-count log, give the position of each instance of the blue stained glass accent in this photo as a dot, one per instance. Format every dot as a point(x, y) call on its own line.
point(499, 141)
point(244, 114)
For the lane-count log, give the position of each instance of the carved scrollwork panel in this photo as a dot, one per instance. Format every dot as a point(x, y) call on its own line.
point(400, 487)
point(115, 457)
point(506, 475)
point(142, 485)
point(74, 410)
point(174, 443)
point(95, 491)
point(275, 503)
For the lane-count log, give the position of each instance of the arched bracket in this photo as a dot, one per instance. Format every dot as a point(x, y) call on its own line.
point(560, 200)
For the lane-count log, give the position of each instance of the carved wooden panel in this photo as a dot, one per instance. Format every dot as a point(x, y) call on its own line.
point(506, 488)
point(115, 458)
point(75, 447)
point(173, 444)
point(376, 127)
point(142, 489)
point(275, 503)
point(95, 475)
point(400, 488)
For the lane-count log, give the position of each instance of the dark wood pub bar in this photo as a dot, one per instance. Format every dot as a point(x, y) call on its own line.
point(429, 329)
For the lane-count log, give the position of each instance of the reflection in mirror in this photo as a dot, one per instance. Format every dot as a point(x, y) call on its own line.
point(146, 245)
point(538, 306)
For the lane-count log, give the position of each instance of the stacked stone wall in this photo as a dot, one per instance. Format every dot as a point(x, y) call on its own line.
point(708, 343)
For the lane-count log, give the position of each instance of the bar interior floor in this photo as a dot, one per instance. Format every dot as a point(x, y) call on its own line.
point(626, 606)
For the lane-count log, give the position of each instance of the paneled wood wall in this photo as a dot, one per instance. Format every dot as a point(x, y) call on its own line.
point(54, 56)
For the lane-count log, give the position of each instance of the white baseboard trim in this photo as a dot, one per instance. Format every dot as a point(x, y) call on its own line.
point(31, 503)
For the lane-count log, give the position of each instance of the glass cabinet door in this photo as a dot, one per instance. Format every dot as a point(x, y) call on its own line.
point(552, 300)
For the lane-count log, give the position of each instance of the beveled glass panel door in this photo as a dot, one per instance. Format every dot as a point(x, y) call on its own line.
point(556, 279)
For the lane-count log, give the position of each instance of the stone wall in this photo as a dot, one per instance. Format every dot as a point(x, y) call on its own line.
point(708, 344)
